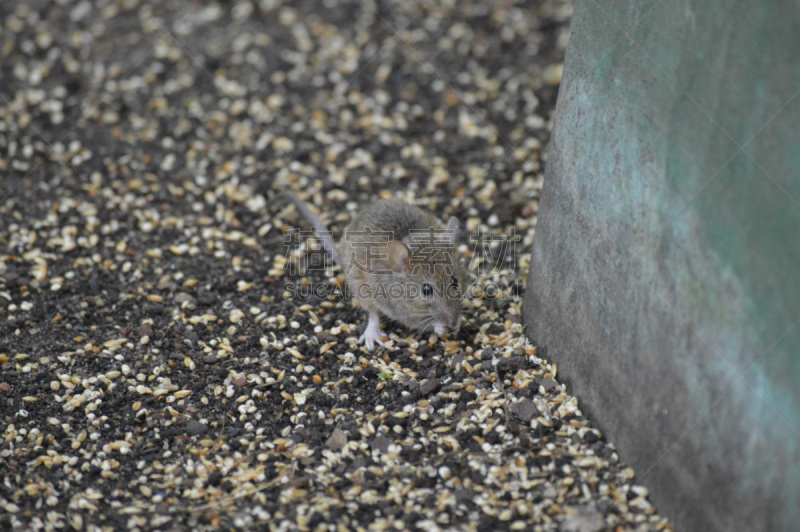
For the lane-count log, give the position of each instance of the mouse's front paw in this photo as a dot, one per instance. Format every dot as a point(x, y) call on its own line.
point(372, 334)
point(370, 338)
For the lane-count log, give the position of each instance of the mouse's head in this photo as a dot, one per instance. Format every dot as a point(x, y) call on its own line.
point(427, 267)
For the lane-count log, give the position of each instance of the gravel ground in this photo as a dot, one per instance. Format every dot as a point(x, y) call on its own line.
point(153, 372)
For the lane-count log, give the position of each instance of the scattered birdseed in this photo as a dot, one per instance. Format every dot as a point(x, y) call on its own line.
point(156, 371)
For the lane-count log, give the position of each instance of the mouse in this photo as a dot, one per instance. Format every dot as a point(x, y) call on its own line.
point(400, 262)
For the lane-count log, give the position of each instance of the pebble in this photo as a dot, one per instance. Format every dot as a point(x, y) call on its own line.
point(337, 440)
point(429, 386)
point(195, 428)
point(525, 409)
point(511, 364)
point(381, 443)
point(548, 383)
point(146, 330)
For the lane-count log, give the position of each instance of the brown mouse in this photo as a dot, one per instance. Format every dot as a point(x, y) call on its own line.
point(399, 261)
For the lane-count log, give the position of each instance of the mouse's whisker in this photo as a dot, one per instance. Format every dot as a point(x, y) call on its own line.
point(426, 322)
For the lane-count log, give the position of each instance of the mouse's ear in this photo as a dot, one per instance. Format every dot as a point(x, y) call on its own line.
point(398, 256)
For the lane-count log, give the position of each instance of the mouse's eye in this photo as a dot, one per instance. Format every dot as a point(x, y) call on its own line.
point(427, 290)
point(454, 281)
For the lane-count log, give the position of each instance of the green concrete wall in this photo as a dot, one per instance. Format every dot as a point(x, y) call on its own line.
point(665, 278)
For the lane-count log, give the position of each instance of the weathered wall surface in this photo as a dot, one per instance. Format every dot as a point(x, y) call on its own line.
point(665, 279)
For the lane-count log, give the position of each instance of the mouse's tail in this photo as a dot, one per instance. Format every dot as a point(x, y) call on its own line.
point(322, 230)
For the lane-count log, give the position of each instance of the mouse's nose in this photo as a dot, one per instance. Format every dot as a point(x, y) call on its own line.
point(452, 321)
point(455, 324)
